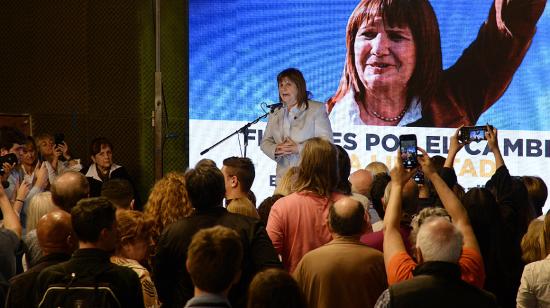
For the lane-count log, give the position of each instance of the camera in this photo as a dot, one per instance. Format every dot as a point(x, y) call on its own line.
point(407, 143)
point(9, 158)
point(473, 133)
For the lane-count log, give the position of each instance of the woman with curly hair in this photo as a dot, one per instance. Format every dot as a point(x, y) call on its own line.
point(168, 202)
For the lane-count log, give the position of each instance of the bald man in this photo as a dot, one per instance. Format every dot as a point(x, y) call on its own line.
point(361, 182)
point(56, 239)
point(69, 188)
point(343, 272)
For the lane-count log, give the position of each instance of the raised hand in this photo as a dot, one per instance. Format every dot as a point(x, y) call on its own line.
point(501, 25)
point(64, 148)
point(41, 174)
point(400, 174)
point(455, 145)
point(7, 170)
point(492, 138)
point(23, 191)
point(426, 163)
point(492, 142)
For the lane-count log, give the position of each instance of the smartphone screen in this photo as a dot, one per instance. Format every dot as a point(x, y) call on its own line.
point(473, 133)
point(407, 144)
point(477, 134)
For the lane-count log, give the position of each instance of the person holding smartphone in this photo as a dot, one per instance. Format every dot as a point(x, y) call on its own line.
point(55, 156)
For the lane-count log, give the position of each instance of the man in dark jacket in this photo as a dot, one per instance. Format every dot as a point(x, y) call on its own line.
point(93, 221)
point(436, 281)
point(206, 189)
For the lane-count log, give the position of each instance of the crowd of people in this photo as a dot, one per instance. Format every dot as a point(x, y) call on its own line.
point(326, 238)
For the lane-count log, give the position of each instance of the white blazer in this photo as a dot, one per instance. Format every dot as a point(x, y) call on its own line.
point(308, 123)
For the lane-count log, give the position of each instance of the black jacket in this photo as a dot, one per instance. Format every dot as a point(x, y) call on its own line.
point(22, 285)
point(504, 266)
point(89, 262)
point(438, 284)
point(174, 286)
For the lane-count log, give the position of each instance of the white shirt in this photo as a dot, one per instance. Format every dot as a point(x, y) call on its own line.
point(346, 111)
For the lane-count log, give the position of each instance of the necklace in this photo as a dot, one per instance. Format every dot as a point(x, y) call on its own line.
point(383, 118)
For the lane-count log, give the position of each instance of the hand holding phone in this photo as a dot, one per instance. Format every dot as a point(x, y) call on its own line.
point(468, 134)
point(407, 144)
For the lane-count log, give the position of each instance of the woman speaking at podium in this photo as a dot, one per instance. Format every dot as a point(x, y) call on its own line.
point(292, 124)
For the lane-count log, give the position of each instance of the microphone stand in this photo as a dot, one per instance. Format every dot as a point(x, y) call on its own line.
point(243, 130)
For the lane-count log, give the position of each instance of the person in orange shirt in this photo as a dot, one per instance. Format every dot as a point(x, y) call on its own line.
point(399, 264)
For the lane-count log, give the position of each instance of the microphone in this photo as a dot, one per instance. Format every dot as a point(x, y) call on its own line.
point(275, 106)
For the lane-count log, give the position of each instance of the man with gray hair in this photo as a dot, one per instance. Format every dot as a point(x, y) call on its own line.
point(437, 281)
point(447, 253)
point(321, 271)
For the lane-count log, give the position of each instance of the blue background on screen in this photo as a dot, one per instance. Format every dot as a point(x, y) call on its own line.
point(236, 49)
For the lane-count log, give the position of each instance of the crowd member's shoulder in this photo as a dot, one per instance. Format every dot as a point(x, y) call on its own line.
point(120, 172)
point(126, 272)
point(241, 223)
point(176, 230)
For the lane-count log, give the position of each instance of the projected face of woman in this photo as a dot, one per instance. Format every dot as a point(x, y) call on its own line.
point(385, 57)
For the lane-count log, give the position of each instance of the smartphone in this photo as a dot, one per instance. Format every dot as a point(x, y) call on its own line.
point(473, 133)
point(419, 177)
point(407, 143)
point(40, 156)
point(59, 138)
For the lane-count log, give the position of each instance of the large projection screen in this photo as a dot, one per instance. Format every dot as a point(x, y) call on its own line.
point(237, 48)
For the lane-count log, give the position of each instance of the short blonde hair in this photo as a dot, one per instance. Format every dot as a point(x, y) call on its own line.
point(40, 205)
point(243, 206)
point(377, 167)
point(533, 246)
